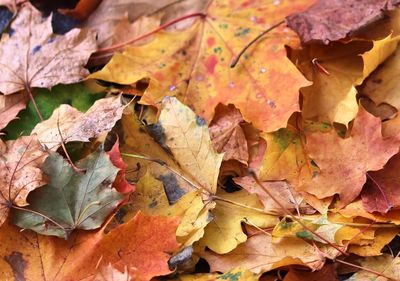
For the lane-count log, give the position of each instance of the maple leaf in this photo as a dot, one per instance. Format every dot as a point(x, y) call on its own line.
point(343, 163)
point(194, 64)
point(72, 200)
point(142, 246)
point(43, 59)
point(20, 172)
point(258, 254)
point(381, 194)
point(328, 21)
point(77, 126)
point(10, 106)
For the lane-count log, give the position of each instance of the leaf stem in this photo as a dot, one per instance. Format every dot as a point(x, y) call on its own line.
point(147, 34)
point(366, 269)
point(28, 89)
point(237, 58)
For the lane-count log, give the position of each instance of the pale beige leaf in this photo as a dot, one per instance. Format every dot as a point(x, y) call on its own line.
point(43, 59)
point(10, 106)
point(20, 173)
point(77, 126)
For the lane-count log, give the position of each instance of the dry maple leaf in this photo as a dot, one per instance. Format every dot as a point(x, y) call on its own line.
point(143, 246)
point(77, 126)
point(20, 172)
point(43, 59)
point(343, 163)
point(328, 21)
point(194, 64)
point(10, 106)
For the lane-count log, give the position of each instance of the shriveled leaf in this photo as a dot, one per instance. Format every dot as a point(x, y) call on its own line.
point(258, 254)
point(43, 59)
point(343, 163)
point(194, 64)
point(10, 106)
point(72, 200)
point(77, 126)
point(328, 21)
point(142, 246)
point(20, 173)
point(226, 134)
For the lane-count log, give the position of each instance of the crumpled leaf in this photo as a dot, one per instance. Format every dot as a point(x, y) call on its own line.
point(258, 254)
point(328, 21)
point(43, 59)
point(10, 106)
point(20, 172)
point(201, 75)
point(381, 192)
point(227, 135)
point(224, 233)
point(142, 246)
point(71, 199)
point(77, 126)
point(343, 163)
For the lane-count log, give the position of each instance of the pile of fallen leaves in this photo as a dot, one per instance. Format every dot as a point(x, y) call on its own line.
point(200, 140)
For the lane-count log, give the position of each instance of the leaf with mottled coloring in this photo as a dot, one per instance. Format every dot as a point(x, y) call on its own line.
point(77, 126)
point(194, 64)
point(72, 199)
point(43, 59)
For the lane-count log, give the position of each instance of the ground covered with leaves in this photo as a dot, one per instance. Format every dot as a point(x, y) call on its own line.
point(202, 140)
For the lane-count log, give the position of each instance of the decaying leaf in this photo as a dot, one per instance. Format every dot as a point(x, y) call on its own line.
point(333, 20)
point(71, 199)
point(43, 59)
point(77, 126)
point(20, 172)
point(343, 163)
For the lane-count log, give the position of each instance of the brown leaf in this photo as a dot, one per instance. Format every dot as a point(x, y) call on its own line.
point(10, 106)
point(226, 134)
point(77, 126)
point(343, 163)
point(328, 21)
point(327, 273)
point(382, 193)
point(43, 59)
point(20, 173)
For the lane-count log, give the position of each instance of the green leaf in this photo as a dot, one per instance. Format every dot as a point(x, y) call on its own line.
point(71, 200)
point(76, 95)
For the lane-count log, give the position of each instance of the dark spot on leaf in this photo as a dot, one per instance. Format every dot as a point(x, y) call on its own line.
point(157, 132)
point(11, 31)
point(153, 204)
point(36, 49)
point(180, 258)
point(377, 81)
point(5, 18)
point(200, 121)
point(51, 40)
point(171, 187)
point(18, 265)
